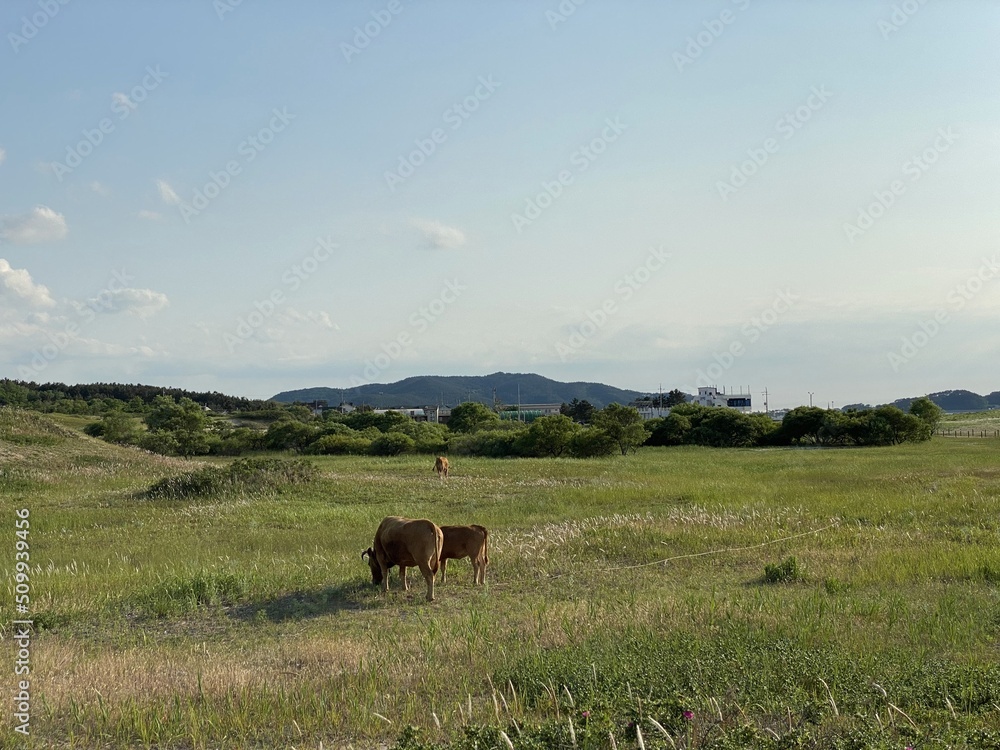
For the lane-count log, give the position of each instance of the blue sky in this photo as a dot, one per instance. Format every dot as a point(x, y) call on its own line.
point(253, 197)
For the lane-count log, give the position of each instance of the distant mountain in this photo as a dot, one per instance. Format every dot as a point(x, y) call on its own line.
point(449, 390)
point(954, 401)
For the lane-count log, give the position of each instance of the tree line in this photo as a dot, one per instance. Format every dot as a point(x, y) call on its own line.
point(182, 427)
point(98, 398)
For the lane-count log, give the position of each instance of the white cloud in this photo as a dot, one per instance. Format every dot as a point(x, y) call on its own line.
point(142, 303)
point(120, 99)
point(41, 225)
point(440, 236)
point(150, 215)
point(100, 189)
point(167, 193)
point(17, 284)
point(3, 155)
point(291, 316)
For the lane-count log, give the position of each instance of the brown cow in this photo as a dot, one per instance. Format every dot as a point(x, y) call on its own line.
point(441, 467)
point(466, 541)
point(406, 543)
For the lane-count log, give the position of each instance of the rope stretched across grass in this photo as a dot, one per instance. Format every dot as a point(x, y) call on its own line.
point(721, 551)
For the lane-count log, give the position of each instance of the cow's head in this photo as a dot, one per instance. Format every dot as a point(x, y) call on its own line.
point(373, 564)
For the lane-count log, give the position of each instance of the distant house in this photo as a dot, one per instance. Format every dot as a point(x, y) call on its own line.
point(712, 396)
point(439, 414)
point(648, 411)
point(317, 407)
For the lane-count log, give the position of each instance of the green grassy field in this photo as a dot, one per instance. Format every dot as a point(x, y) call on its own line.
point(976, 422)
point(842, 598)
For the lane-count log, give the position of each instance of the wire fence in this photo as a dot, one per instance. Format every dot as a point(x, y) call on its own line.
point(968, 433)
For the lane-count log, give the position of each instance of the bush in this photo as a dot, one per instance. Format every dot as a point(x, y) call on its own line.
point(391, 444)
point(244, 475)
point(487, 443)
point(276, 472)
point(672, 429)
point(592, 442)
point(115, 427)
point(427, 436)
point(237, 442)
point(547, 436)
point(387, 421)
point(784, 572)
point(726, 428)
point(353, 444)
point(289, 434)
point(163, 443)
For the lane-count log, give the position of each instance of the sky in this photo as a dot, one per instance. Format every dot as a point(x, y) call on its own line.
point(250, 197)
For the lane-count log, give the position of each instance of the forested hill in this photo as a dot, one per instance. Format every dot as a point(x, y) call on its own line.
point(956, 401)
point(449, 390)
point(47, 396)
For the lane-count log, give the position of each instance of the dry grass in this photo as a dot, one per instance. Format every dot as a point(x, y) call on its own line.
point(147, 674)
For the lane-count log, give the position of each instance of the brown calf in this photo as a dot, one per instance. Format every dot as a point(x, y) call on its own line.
point(466, 541)
point(441, 467)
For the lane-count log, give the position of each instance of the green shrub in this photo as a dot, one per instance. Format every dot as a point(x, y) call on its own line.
point(237, 442)
point(243, 475)
point(592, 442)
point(786, 571)
point(392, 444)
point(487, 443)
point(353, 444)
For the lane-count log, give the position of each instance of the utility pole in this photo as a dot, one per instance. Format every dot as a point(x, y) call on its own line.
point(810, 398)
point(766, 410)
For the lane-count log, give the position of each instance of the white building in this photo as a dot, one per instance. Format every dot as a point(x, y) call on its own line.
point(711, 396)
point(651, 412)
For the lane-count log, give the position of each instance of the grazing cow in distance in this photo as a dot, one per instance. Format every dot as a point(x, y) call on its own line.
point(441, 467)
point(466, 541)
point(407, 543)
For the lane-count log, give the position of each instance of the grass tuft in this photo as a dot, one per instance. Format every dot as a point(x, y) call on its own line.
point(786, 571)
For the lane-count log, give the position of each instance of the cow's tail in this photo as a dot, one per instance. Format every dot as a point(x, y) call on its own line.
point(439, 548)
point(486, 545)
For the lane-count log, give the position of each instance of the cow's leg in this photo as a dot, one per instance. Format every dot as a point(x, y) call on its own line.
point(443, 567)
point(385, 576)
point(402, 576)
point(429, 577)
